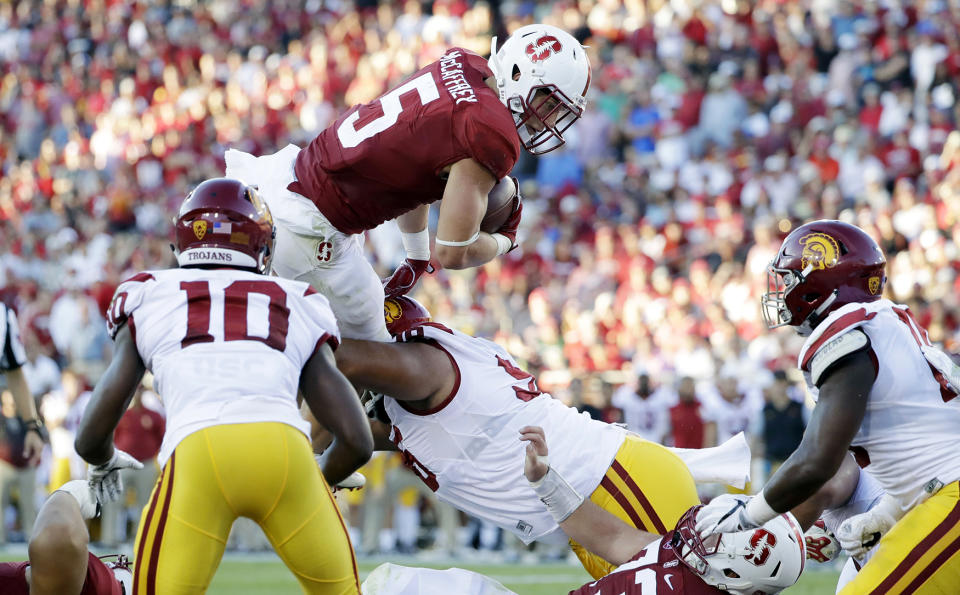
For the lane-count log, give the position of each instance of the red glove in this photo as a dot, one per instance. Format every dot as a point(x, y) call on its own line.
point(511, 225)
point(821, 545)
point(406, 276)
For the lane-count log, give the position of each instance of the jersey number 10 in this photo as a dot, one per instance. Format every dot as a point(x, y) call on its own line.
point(235, 301)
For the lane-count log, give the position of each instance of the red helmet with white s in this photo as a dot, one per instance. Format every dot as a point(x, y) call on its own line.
point(403, 313)
point(224, 222)
point(764, 560)
point(542, 76)
point(820, 267)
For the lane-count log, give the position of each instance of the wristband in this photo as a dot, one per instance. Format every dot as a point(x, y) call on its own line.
point(759, 511)
point(416, 244)
point(503, 243)
point(557, 495)
point(33, 425)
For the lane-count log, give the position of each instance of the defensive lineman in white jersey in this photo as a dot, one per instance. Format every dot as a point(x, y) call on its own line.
point(229, 348)
point(456, 404)
point(883, 391)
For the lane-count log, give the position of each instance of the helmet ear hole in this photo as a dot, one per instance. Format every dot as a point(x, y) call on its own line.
point(810, 297)
point(730, 573)
point(516, 73)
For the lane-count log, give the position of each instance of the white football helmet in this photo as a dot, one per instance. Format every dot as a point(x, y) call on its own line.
point(541, 58)
point(764, 560)
point(122, 573)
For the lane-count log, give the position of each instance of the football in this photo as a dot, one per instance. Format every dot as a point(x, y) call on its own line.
point(499, 205)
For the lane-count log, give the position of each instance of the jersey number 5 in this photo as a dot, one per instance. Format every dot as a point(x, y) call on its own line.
point(236, 298)
point(350, 136)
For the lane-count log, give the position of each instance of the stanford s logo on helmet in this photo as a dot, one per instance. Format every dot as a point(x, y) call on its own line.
point(224, 222)
point(403, 313)
point(542, 48)
point(542, 76)
point(764, 560)
point(820, 267)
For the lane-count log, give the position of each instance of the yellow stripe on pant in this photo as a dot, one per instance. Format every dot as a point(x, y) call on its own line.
point(263, 471)
point(919, 554)
point(646, 486)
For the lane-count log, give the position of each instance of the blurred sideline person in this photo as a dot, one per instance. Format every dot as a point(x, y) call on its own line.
point(229, 347)
point(23, 435)
point(59, 562)
point(451, 132)
point(883, 391)
point(453, 402)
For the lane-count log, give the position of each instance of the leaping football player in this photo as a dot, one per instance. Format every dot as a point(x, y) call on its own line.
point(451, 132)
point(229, 347)
point(455, 404)
point(883, 391)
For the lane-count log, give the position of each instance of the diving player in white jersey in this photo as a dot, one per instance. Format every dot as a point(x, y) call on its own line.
point(229, 348)
point(885, 393)
point(455, 404)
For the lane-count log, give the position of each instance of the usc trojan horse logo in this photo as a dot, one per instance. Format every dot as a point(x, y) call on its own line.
point(200, 229)
point(819, 251)
point(391, 311)
point(542, 48)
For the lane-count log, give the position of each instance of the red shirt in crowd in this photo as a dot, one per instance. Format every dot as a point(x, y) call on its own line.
point(140, 432)
point(687, 425)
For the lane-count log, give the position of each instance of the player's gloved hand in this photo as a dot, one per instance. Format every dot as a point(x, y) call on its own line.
point(726, 513)
point(354, 482)
point(821, 545)
point(83, 494)
point(512, 224)
point(105, 479)
point(405, 277)
point(859, 533)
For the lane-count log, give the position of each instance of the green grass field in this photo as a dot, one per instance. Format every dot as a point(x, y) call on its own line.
point(264, 574)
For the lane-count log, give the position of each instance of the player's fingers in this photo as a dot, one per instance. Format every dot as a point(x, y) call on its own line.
point(537, 441)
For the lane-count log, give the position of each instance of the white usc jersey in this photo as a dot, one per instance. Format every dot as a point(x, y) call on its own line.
point(468, 449)
point(909, 433)
point(225, 346)
point(648, 418)
point(734, 417)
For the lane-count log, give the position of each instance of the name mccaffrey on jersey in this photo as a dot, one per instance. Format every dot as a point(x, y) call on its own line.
point(451, 71)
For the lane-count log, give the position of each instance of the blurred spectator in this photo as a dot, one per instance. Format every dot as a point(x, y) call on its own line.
point(690, 424)
point(784, 420)
point(645, 408)
point(17, 475)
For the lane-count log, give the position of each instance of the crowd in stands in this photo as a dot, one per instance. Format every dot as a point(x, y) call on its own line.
point(713, 128)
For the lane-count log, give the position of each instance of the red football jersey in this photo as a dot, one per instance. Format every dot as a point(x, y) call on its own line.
point(656, 570)
point(384, 158)
point(99, 581)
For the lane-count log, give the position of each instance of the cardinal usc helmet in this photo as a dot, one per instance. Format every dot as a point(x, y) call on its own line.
point(225, 222)
point(403, 313)
point(542, 76)
point(764, 560)
point(820, 267)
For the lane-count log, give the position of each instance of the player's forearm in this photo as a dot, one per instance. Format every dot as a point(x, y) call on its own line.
point(343, 460)
point(415, 220)
point(605, 535)
point(17, 383)
point(481, 251)
point(797, 480)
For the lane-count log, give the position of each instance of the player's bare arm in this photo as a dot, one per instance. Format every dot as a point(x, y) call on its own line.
point(27, 410)
point(110, 398)
point(592, 527)
point(460, 243)
point(334, 404)
point(834, 423)
point(414, 371)
point(833, 494)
